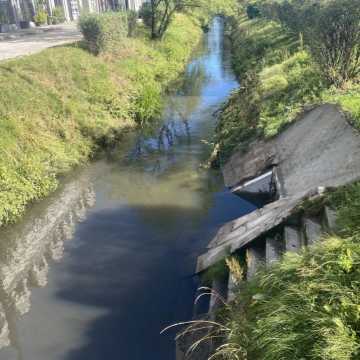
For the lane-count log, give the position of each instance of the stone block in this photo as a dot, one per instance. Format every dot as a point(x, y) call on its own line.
point(330, 218)
point(254, 259)
point(219, 292)
point(273, 250)
point(231, 288)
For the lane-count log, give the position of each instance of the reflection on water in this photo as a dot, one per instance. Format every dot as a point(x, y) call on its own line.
point(26, 249)
point(127, 273)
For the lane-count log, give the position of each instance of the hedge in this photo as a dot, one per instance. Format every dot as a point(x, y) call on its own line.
point(102, 32)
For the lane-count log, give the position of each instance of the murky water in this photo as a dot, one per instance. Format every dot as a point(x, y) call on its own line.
point(98, 269)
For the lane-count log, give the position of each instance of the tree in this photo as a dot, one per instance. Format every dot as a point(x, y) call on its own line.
point(159, 13)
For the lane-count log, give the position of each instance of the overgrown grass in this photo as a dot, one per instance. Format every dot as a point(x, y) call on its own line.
point(285, 88)
point(258, 43)
point(58, 106)
point(278, 78)
point(348, 98)
point(307, 305)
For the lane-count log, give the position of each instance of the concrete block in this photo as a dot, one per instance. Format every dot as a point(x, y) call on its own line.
point(273, 250)
point(253, 259)
point(292, 238)
point(330, 218)
point(313, 231)
point(219, 288)
point(231, 288)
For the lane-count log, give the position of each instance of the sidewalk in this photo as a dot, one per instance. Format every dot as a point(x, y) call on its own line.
point(30, 41)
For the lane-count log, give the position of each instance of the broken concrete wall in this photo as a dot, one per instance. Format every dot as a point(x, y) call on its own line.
point(319, 149)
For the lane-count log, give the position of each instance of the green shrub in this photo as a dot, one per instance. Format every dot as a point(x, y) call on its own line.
point(331, 30)
point(58, 16)
point(41, 18)
point(103, 31)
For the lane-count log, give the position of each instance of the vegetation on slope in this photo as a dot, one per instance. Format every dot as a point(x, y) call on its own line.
point(306, 306)
point(58, 106)
point(279, 75)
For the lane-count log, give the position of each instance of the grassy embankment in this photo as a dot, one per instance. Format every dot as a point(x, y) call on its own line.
point(59, 106)
point(307, 306)
point(278, 78)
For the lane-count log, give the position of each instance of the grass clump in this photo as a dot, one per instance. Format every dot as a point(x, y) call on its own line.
point(59, 106)
point(305, 307)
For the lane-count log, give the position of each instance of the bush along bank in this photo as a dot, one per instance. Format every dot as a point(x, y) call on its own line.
point(59, 106)
point(281, 69)
point(306, 305)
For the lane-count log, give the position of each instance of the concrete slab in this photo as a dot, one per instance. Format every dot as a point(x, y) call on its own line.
point(274, 248)
point(219, 293)
point(321, 148)
point(330, 218)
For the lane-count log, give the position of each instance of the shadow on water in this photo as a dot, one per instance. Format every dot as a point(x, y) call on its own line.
point(127, 273)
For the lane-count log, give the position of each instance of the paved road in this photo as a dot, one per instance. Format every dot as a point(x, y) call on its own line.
point(34, 40)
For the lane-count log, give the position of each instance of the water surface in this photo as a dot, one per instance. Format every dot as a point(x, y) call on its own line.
point(101, 267)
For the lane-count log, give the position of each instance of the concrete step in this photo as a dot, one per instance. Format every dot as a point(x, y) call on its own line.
point(293, 239)
point(274, 249)
point(313, 230)
point(254, 258)
point(219, 293)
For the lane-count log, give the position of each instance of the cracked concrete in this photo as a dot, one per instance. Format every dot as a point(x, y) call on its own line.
point(320, 149)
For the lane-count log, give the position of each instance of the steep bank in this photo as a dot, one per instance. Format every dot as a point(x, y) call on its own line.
point(279, 80)
point(58, 106)
point(292, 267)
